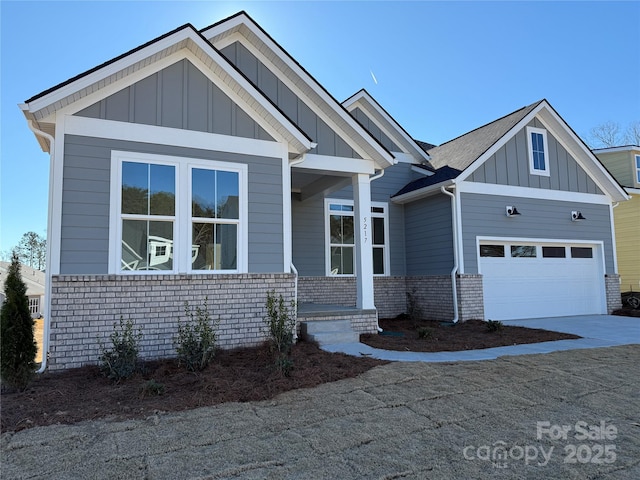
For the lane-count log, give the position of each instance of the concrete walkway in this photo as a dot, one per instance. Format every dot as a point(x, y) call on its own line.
point(596, 331)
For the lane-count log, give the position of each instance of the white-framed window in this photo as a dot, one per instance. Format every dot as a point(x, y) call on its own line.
point(538, 151)
point(637, 168)
point(340, 237)
point(174, 214)
point(34, 305)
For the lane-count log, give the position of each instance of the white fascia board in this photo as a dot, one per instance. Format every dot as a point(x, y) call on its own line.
point(422, 171)
point(627, 148)
point(421, 193)
point(207, 60)
point(601, 177)
point(369, 105)
point(535, 193)
point(580, 151)
point(134, 132)
point(336, 165)
point(632, 191)
point(125, 62)
point(309, 82)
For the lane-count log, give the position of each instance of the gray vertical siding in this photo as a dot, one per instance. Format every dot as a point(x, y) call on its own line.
point(510, 166)
point(484, 215)
point(179, 96)
point(429, 234)
point(85, 203)
point(329, 142)
point(374, 130)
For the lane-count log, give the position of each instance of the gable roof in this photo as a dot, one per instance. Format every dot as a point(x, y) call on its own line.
point(108, 77)
point(376, 113)
point(241, 25)
point(462, 151)
point(467, 152)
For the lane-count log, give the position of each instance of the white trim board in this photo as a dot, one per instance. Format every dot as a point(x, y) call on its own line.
point(527, 192)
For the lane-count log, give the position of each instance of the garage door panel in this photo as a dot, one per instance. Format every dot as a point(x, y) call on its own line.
point(538, 287)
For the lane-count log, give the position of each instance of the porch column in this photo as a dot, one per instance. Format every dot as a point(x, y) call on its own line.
point(363, 238)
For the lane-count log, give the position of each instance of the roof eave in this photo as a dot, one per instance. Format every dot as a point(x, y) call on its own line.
point(422, 192)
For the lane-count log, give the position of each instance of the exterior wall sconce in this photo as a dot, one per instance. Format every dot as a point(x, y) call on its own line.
point(512, 211)
point(576, 216)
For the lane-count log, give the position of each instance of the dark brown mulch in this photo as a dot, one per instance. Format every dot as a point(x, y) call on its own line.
point(234, 376)
point(628, 312)
point(472, 334)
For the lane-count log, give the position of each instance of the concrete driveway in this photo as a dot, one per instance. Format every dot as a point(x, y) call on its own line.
point(597, 331)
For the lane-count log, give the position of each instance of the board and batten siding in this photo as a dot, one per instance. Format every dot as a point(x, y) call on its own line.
point(510, 166)
point(374, 130)
point(429, 233)
point(179, 96)
point(484, 215)
point(85, 203)
point(329, 142)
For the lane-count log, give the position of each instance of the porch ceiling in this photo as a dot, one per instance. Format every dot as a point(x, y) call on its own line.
point(309, 185)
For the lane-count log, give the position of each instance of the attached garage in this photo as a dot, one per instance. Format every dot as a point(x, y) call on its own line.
point(526, 279)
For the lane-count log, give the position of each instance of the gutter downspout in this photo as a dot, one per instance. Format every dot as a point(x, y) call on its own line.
point(293, 268)
point(47, 310)
point(371, 179)
point(455, 253)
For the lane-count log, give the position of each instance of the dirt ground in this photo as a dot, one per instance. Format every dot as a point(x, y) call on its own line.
point(521, 417)
point(235, 376)
point(404, 335)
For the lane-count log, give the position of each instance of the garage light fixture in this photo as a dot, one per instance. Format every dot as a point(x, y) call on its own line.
point(512, 211)
point(576, 216)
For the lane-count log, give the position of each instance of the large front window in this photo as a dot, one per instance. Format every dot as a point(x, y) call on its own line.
point(341, 238)
point(178, 215)
point(637, 168)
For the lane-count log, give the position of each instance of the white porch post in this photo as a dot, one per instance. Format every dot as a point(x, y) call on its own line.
point(364, 235)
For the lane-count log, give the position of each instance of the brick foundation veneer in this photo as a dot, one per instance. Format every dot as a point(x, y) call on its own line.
point(85, 307)
point(612, 287)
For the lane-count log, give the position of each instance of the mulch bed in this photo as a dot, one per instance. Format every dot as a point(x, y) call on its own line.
point(240, 375)
point(472, 334)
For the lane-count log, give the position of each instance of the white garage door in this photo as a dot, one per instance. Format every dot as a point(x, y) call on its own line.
point(532, 280)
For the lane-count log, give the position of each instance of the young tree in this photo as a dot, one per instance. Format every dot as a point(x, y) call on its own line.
point(17, 346)
point(32, 250)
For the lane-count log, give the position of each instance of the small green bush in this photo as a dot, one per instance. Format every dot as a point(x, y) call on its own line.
point(280, 324)
point(151, 388)
point(494, 326)
point(425, 333)
point(196, 340)
point(17, 346)
point(121, 360)
point(414, 311)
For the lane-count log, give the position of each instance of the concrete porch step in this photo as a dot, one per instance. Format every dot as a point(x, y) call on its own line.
point(327, 332)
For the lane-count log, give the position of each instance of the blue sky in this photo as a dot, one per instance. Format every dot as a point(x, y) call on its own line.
point(442, 68)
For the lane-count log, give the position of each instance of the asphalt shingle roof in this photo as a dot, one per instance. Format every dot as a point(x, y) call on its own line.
point(461, 152)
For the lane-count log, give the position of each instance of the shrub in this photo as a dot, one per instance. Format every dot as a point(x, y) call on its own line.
point(151, 388)
point(494, 325)
point(17, 346)
point(196, 340)
point(121, 360)
point(414, 312)
point(280, 324)
point(425, 333)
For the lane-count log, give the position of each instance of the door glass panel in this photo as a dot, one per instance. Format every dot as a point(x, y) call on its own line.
point(581, 252)
point(528, 251)
point(492, 250)
point(554, 252)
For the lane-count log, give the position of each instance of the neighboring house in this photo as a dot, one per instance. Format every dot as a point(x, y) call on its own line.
point(210, 165)
point(34, 280)
point(624, 165)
